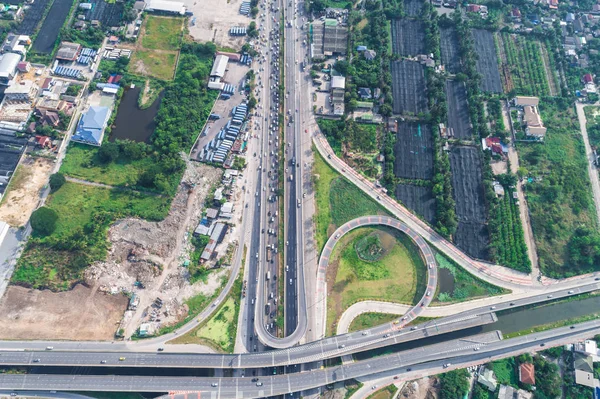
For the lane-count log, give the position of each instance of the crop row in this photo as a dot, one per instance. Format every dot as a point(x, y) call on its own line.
point(525, 65)
point(507, 239)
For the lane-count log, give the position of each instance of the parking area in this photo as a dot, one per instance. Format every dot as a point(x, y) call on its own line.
point(212, 21)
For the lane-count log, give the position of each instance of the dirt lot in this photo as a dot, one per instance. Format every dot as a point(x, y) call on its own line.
point(152, 253)
point(425, 388)
point(213, 20)
point(23, 194)
point(80, 314)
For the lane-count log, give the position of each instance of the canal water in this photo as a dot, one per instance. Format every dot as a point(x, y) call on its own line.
point(508, 322)
point(133, 123)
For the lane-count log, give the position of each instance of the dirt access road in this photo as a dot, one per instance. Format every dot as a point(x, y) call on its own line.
point(589, 154)
point(23, 193)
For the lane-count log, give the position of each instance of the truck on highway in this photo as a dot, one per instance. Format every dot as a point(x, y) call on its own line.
point(268, 273)
point(291, 177)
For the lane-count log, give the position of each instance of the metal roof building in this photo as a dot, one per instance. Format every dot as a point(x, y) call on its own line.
point(68, 51)
point(8, 66)
point(175, 7)
point(90, 128)
point(219, 66)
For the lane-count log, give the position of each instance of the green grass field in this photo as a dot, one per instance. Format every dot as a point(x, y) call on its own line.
point(84, 215)
point(155, 64)
point(338, 201)
point(371, 319)
point(81, 162)
point(506, 371)
point(162, 33)
point(215, 331)
point(399, 276)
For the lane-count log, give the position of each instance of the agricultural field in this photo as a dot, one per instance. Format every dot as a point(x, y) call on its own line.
point(522, 65)
point(419, 199)
point(108, 13)
point(408, 37)
point(487, 62)
point(162, 33)
point(412, 8)
point(414, 151)
point(46, 38)
point(373, 263)
point(408, 87)
point(507, 245)
point(472, 234)
point(32, 18)
point(558, 190)
point(449, 50)
point(459, 125)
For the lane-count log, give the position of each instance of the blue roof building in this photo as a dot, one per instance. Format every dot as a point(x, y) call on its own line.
point(90, 129)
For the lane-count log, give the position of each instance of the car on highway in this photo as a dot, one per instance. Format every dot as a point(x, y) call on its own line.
point(214, 384)
point(49, 348)
point(36, 360)
point(121, 359)
point(259, 384)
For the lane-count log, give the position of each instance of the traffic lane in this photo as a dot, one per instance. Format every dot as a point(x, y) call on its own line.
point(297, 355)
point(229, 387)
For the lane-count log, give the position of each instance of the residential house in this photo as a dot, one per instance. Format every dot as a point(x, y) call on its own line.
point(515, 15)
point(361, 48)
point(369, 55)
point(583, 362)
point(24, 66)
point(212, 213)
point(533, 122)
point(527, 373)
point(25, 90)
point(365, 93)
point(216, 237)
point(494, 145)
point(47, 117)
point(508, 392)
point(578, 26)
point(498, 189)
point(588, 347)
point(43, 141)
point(586, 378)
point(487, 379)
point(338, 88)
point(570, 17)
point(15, 44)
point(521, 101)
point(553, 4)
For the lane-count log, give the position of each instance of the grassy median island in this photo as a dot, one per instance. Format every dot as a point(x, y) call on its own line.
point(338, 201)
point(57, 261)
point(397, 275)
point(370, 319)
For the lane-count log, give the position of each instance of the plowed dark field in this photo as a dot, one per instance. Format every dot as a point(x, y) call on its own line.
point(471, 235)
point(107, 14)
point(408, 37)
point(412, 8)
point(418, 199)
point(33, 16)
point(59, 10)
point(408, 87)
point(459, 125)
point(449, 50)
point(414, 151)
point(487, 63)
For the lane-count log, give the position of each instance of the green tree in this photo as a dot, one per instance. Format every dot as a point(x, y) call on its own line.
point(479, 392)
point(56, 181)
point(43, 221)
point(108, 152)
point(455, 384)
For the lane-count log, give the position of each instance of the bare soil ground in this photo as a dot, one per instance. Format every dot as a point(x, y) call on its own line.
point(23, 193)
point(425, 388)
point(214, 19)
point(153, 252)
point(79, 314)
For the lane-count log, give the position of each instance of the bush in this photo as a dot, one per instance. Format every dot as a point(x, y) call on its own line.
point(43, 221)
point(56, 181)
point(108, 152)
point(455, 384)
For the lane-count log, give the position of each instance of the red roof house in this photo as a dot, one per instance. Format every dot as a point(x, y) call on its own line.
point(588, 78)
point(527, 373)
point(43, 141)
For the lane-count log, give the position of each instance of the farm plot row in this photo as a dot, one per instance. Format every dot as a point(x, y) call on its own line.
point(414, 151)
point(472, 234)
point(45, 40)
point(109, 14)
point(11, 149)
point(33, 15)
point(459, 125)
point(408, 37)
point(487, 62)
point(418, 199)
point(413, 8)
point(449, 50)
point(408, 87)
point(524, 69)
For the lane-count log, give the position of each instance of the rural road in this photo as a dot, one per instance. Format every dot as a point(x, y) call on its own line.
point(592, 169)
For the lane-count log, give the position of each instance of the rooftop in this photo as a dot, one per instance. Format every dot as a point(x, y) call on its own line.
point(91, 126)
point(527, 373)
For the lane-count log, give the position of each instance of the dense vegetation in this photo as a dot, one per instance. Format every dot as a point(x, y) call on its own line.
point(558, 192)
point(525, 70)
point(507, 245)
point(454, 384)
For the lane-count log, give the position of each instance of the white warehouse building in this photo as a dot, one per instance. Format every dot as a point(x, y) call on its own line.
point(174, 7)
